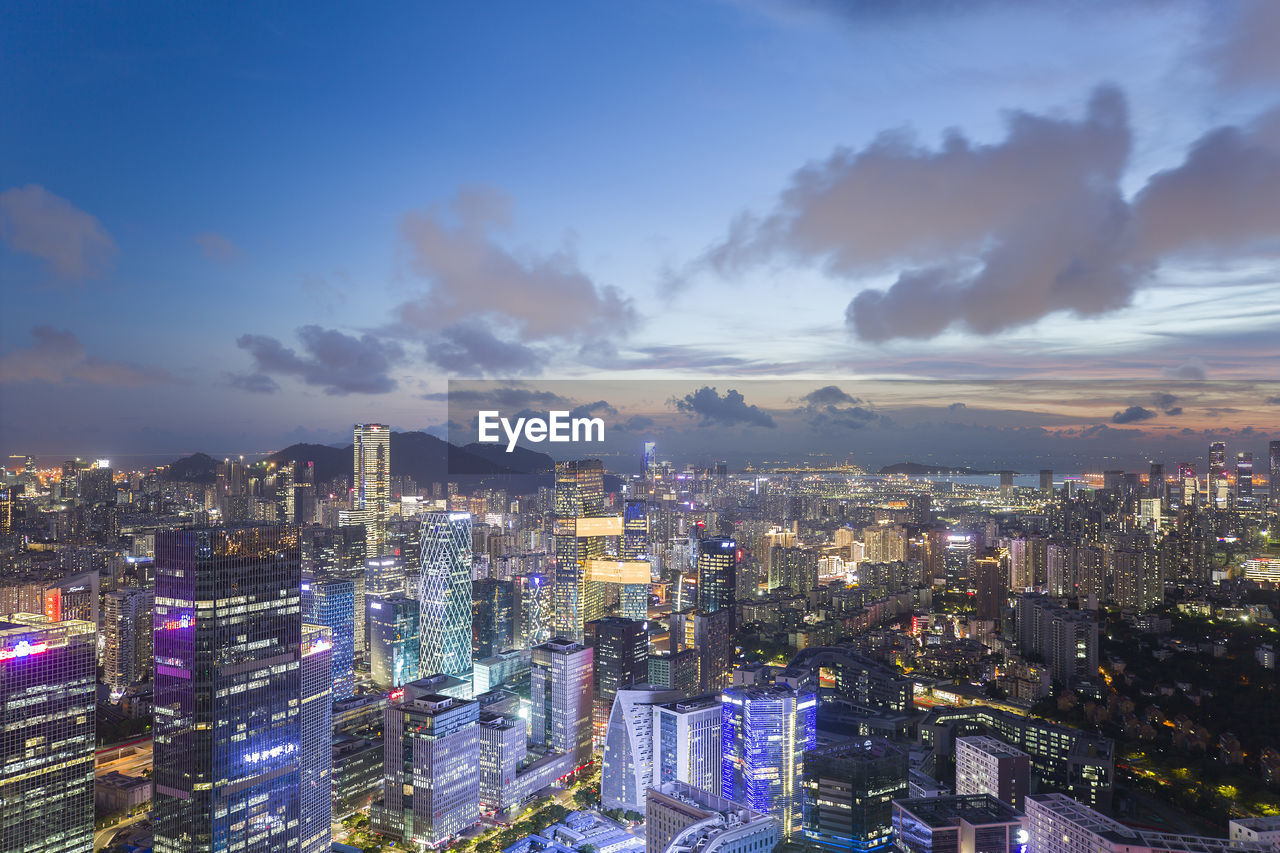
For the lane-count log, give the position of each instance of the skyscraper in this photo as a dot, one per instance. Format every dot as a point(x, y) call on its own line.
point(1244, 479)
point(371, 484)
point(1046, 481)
point(332, 603)
point(394, 640)
point(987, 765)
point(315, 761)
point(233, 747)
point(849, 792)
point(493, 617)
point(765, 731)
point(535, 609)
point(686, 736)
point(560, 694)
point(634, 597)
point(126, 636)
point(444, 594)
point(717, 574)
point(1273, 485)
point(579, 495)
point(620, 658)
point(47, 696)
point(1218, 484)
point(629, 748)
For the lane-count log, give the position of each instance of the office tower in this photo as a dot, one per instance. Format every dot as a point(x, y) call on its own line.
point(650, 458)
point(676, 670)
point(634, 546)
point(1218, 484)
point(444, 594)
point(371, 484)
point(228, 624)
point(717, 574)
point(1273, 483)
point(629, 746)
point(332, 603)
point(507, 776)
point(849, 791)
point(394, 654)
point(47, 692)
point(509, 668)
point(986, 765)
point(315, 739)
point(126, 637)
point(680, 817)
point(687, 748)
point(972, 824)
point(957, 560)
point(765, 731)
point(710, 635)
point(1046, 481)
point(430, 749)
point(560, 695)
point(579, 495)
point(1056, 823)
point(493, 617)
point(620, 655)
point(1067, 640)
point(1244, 479)
point(992, 584)
point(1006, 485)
point(535, 609)
point(1156, 482)
point(6, 508)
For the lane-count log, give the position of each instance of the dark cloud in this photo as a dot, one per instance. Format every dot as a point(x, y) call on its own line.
point(1273, 401)
point(635, 423)
point(831, 407)
point(730, 410)
point(956, 407)
point(469, 348)
point(1176, 410)
point(337, 362)
point(593, 410)
point(37, 222)
point(257, 383)
point(992, 237)
point(1163, 399)
point(828, 395)
point(506, 397)
point(1133, 414)
point(58, 357)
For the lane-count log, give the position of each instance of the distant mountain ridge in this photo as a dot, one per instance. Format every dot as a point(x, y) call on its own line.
point(919, 469)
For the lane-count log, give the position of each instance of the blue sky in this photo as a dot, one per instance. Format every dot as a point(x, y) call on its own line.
point(432, 191)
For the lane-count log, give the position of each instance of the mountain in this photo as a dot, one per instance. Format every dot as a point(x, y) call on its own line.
point(196, 468)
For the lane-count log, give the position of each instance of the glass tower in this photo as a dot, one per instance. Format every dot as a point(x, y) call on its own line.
point(634, 597)
point(394, 653)
point(717, 574)
point(235, 726)
point(332, 603)
point(764, 733)
point(579, 494)
point(47, 692)
point(444, 594)
point(371, 482)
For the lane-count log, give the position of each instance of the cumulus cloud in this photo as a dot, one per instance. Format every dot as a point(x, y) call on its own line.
point(255, 383)
point(334, 361)
point(730, 410)
point(505, 397)
point(1133, 414)
point(829, 407)
point(216, 247)
point(476, 285)
point(991, 237)
point(58, 356)
point(36, 222)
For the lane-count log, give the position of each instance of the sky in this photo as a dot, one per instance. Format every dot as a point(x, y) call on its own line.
point(229, 228)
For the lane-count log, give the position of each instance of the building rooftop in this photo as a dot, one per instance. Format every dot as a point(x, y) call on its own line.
point(974, 809)
point(992, 746)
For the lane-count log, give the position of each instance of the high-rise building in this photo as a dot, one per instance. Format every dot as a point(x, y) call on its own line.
point(629, 746)
point(1244, 479)
point(233, 746)
point(315, 739)
point(507, 777)
point(579, 495)
point(560, 695)
point(620, 658)
point(765, 731)
point(849, 791)
point(493, 617)
point(126, 637)
point(1046, 481)
point(1273, 484)
point(992, 582)
point(633, 598)
point(717, 574)
point(444, 594)
point(1218, 483)
point(676, 670)
point(332, 603)
point(650, 458)
point(1067, 640)
point(950, 824)
point(710, 635)
point(986, 765)
point(371, 484)
point(686, 736)
point(957, 561)
point(394, 655)
point(47, 692)
point(535, 603)
point(431, 749)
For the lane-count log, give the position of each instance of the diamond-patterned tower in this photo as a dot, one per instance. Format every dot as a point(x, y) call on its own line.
point(444, 594)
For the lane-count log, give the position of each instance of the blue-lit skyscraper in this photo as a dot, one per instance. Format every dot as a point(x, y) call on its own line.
point(315, 776)
point(444, 594)
point(332, 603)
point(634, 597)
point(765, 730)
point(394, 653)
point(237, 721)
point(717, 574)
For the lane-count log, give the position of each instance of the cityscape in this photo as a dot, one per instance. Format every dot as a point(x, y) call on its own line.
point(653, 426)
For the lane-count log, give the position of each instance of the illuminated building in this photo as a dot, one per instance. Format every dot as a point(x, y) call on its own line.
point(493, 616)
point(394, 653)
point(977, 823)
point(677, 670)
point(1067, 640)
point(126, 637)
point(620, 658)
point(986, 765)
point(579, 494)
point(650, 458)
point(1046, 481)
point(686, 736)
point(1273, 485)
point(992, 583)
point(1218, 483)
point(332, 603)
point(957, 559)
point(1244, 479)
point(765, 731)
point(535, 609)
point(1056, 823)
point(717, 574)
point(508, 668)
point(6, 509)
point(682, 817)
point(634, 597)
point(430, 749)
point(371, 484)
point(507, 776)
point(629, 746)
point(561, 697)
point(710, 635)
point(315, 740)
point(849, 790)
point(236, 715)
point(47, 693)
point(444, 595)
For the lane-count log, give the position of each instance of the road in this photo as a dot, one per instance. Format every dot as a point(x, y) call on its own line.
point(130, 765)
point(103, 837)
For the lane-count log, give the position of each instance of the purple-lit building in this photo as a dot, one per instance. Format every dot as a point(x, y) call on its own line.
point(765, 731)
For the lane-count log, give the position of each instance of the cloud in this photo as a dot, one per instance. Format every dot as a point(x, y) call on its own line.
point(1133, 414)
point(468, 348)
point(956, 407)
point(215, 247)
point(591, 410)
point(507, 397)
point(1273, 401)
point(518, 297)
point(829, 406)
point(635, 423)
point(331, 360)
point(1193, 369)
point(256, 383)
point(986, 238)
point(1243, 50)
point(57, 356)
point(730, 410)
point(37, 222)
